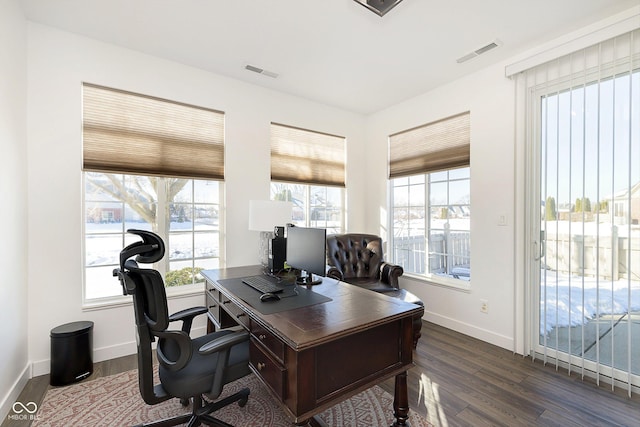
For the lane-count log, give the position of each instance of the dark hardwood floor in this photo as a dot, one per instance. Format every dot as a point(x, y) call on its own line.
point(461, 381)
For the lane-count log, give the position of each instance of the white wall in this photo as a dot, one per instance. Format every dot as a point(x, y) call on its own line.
point(13, 187)
point(498, 255)
point(58, 63)
point(489, 96)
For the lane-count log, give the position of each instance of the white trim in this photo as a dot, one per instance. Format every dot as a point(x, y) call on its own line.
point(444, 282)
point(13, 393)
point(470, 330)
point(43, 367)
point(600, 31)
point(428, 278)
point(173, 292)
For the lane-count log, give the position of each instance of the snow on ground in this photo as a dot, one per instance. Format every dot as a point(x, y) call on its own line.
point(574, 300)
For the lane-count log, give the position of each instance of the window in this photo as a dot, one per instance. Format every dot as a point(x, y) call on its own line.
point(185, 212)
point(313, 205)
point(307, 169)
point(430, 201)
point(172, 187)
point(431, 223)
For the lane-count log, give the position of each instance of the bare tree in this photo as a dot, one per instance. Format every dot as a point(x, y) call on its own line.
point(141, 194)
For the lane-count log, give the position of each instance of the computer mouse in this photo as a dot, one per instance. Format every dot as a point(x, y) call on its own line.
point(268, 296)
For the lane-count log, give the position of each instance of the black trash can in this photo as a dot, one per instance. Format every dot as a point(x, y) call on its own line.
point(71, 352)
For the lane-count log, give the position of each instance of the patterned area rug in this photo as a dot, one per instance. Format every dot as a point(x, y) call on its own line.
point(115, 401)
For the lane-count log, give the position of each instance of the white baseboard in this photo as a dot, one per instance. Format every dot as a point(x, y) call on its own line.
point(470, 330)
point(43, 367)
point(6, 405)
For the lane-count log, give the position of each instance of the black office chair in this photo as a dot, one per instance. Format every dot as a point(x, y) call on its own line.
point(188, 368)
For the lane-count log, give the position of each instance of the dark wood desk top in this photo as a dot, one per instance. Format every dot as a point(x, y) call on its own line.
point(350, 310)
point(312, 357)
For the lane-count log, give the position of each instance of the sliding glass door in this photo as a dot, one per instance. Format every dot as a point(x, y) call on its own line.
point(584, 124)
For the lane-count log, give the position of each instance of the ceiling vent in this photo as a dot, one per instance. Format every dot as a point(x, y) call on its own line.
point(261, 71)
point(477, 52)
point(379, 7)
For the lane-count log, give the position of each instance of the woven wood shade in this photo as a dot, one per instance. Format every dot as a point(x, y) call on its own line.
point(440, 145)
point(308, 157)
point(124, 132)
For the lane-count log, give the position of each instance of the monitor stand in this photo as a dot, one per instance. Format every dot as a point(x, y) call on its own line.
point(308, 280)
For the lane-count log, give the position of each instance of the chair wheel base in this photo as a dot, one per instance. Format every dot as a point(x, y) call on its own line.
point(244, 397)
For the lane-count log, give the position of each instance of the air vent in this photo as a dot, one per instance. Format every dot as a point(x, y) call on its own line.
point(477, 52)
point(260, 71)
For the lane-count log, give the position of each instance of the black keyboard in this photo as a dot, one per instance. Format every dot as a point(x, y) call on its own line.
point(262, 284)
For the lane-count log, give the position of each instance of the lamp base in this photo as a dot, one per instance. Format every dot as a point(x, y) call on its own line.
point(263, 247)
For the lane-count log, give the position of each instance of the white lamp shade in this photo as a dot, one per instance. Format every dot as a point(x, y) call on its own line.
point(264, 215)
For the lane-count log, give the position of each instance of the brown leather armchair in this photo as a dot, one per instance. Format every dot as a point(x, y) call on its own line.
point(358, 259)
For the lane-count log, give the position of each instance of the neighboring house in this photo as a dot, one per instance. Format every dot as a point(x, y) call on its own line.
point(104, 215)
point(625, 205)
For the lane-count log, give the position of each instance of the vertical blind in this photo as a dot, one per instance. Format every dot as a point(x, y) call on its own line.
point(583, 137)
point(125, 132)
point(440, 145)
point(307, 157)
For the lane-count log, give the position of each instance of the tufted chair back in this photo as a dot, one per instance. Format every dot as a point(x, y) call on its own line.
point(357, 256)
point(358, 259)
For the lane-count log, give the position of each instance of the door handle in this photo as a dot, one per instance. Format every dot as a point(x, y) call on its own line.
point(539, 254)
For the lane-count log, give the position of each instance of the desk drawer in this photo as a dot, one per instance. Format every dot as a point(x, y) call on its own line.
point(236, 313)
point(271, 371)
point(214, 309)
point(213, 295)
point(265, 338)
point(214, 292)
point(223, 312)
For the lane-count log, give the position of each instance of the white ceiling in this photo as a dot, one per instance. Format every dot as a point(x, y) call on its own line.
point(334, 51)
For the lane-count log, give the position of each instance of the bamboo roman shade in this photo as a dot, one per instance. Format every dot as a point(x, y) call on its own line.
point(440, 145)
point(124, 132)
point(308, 157)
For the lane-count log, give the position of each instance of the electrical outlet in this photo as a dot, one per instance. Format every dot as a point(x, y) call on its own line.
point(484, 306)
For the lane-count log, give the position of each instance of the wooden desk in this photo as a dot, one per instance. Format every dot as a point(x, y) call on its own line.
point(314, 357)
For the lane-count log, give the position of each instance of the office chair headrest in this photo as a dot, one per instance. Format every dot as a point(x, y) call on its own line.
point(150, 250)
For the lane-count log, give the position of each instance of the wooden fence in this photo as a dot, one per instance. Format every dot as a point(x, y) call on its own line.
point(608, 256)
point(447, 251)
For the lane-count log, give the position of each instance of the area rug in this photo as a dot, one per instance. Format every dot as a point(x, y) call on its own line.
point(115, 401)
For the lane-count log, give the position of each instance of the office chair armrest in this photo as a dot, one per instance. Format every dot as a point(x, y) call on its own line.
point(224, 342)
point(389, 274)
point(222, 347)
point(187, 316)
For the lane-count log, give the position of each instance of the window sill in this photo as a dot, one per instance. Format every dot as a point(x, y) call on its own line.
point(123, 301)
point(458, 285)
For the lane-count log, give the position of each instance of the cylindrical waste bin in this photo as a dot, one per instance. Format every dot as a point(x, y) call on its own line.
point(71, 352)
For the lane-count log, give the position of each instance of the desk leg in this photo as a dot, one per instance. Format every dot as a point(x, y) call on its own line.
point(316, 422)
point(401, 401)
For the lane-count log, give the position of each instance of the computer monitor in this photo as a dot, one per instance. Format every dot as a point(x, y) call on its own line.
point(306, 251)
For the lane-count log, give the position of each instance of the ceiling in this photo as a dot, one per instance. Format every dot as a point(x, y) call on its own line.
point(335, 52)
